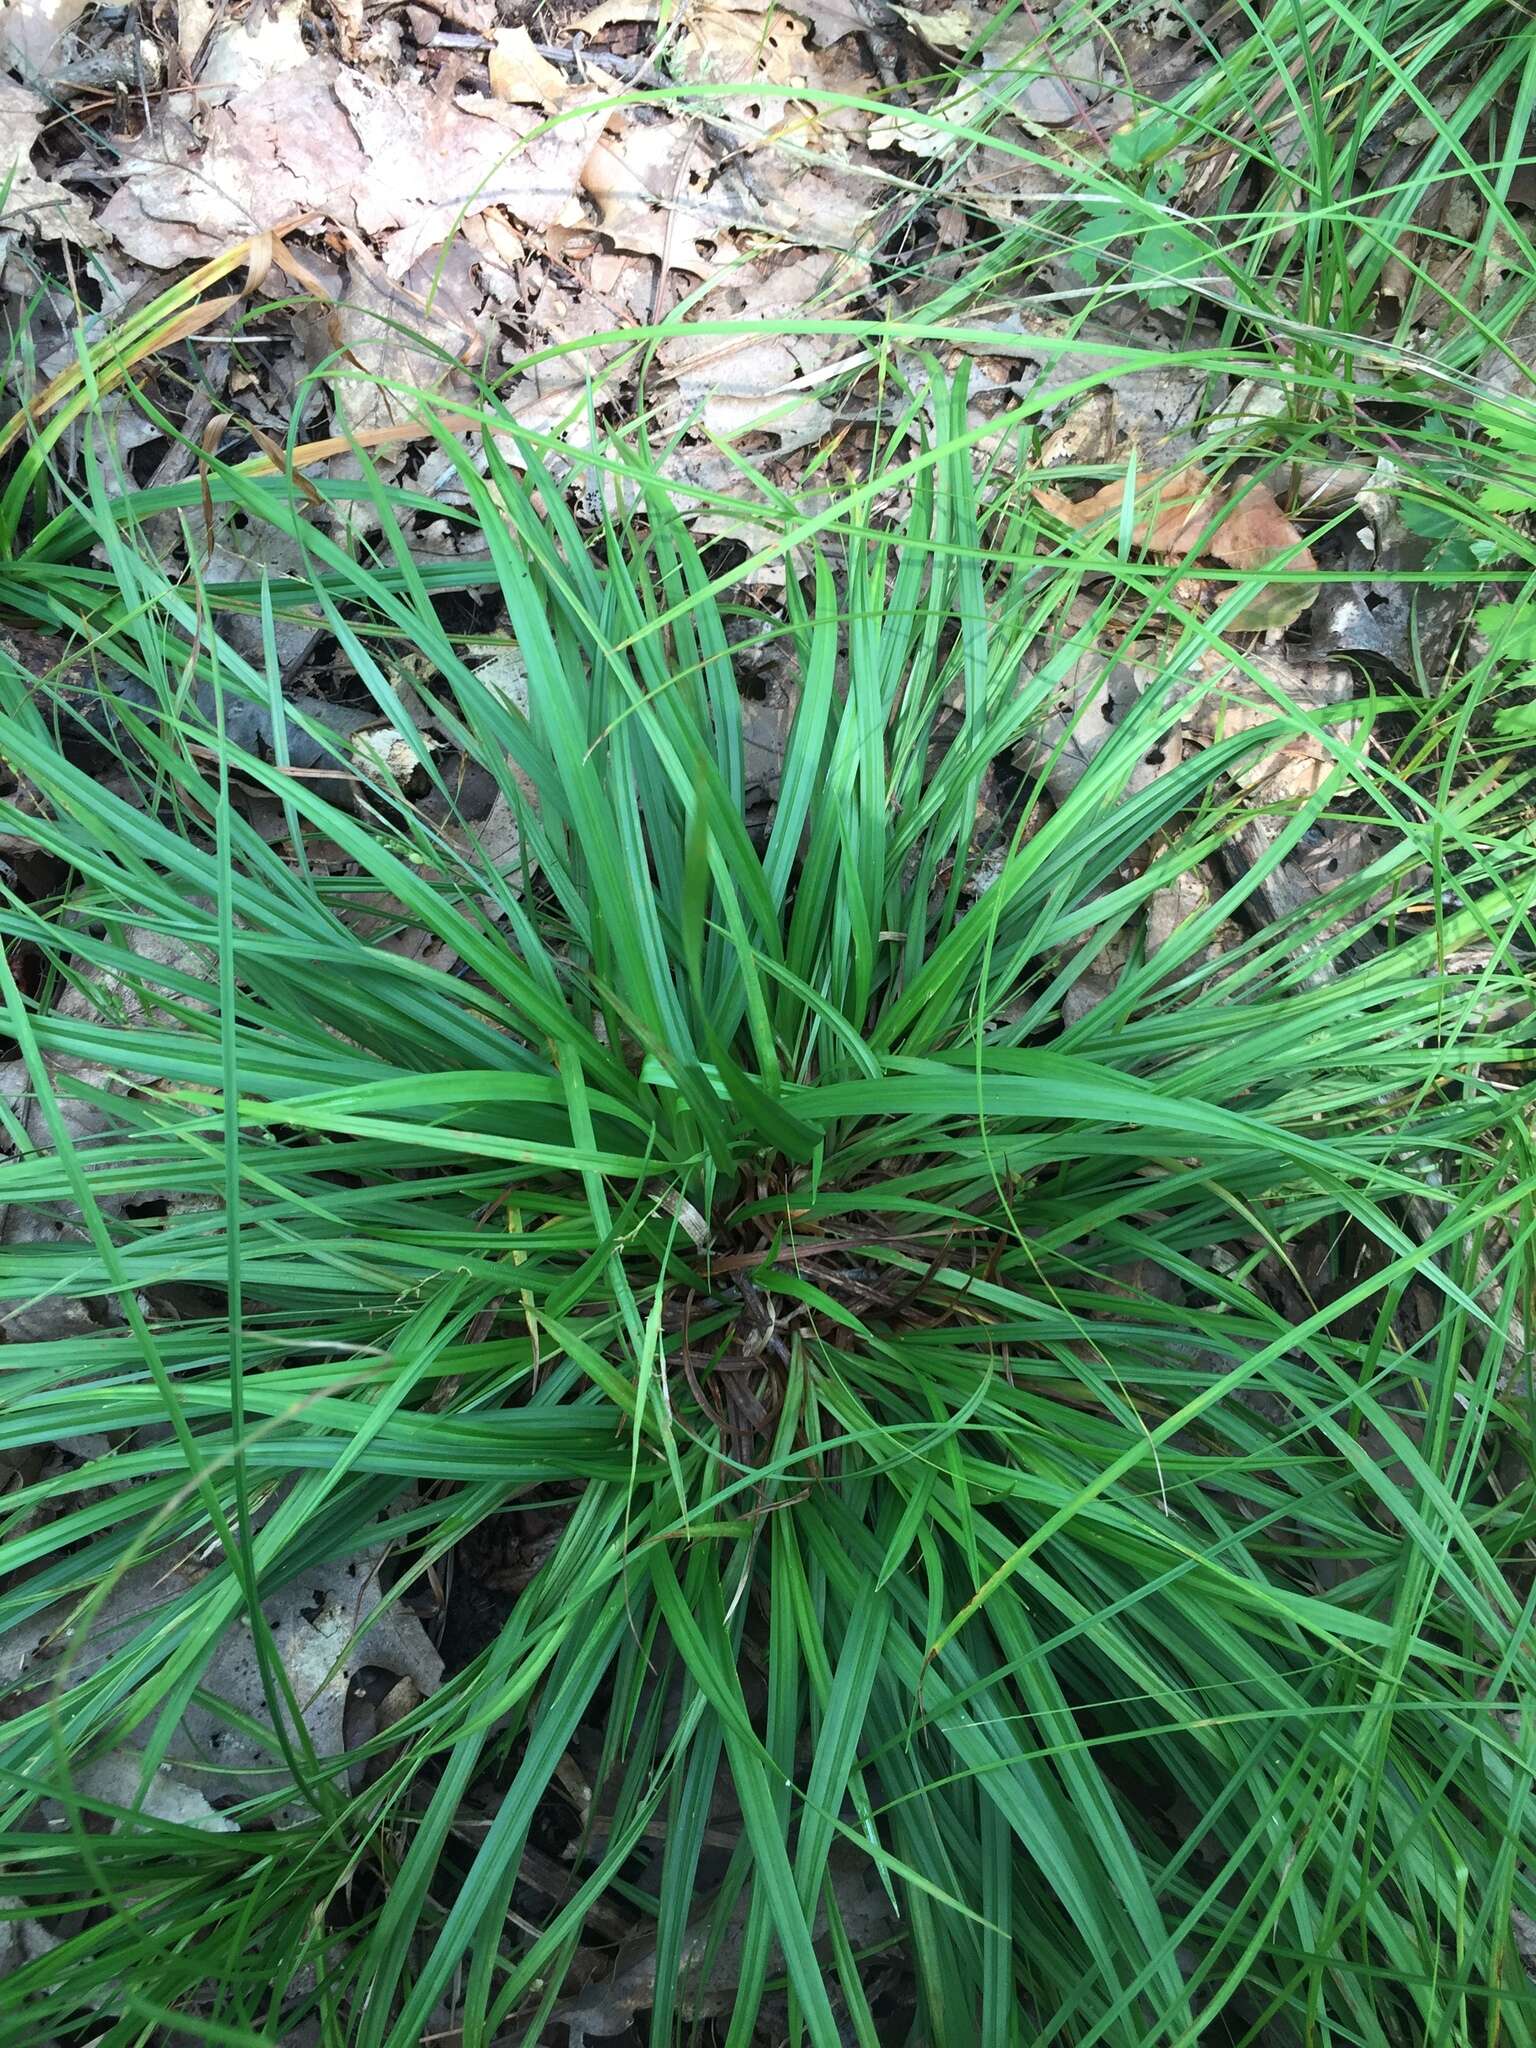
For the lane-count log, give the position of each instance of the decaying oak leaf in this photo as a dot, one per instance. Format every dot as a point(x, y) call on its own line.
point(1254, 534)
point(1022, 76)
point(1177, 508)
point(402, 164)
point(120, 1779)
point(646, 187)
point(607, 12)
point(765, 379)
point(1092, 696)
point(1182, 512)
point(465, 155)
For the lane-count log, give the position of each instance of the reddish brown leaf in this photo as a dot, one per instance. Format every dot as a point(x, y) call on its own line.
point(1254, 532)
point(1177, 508)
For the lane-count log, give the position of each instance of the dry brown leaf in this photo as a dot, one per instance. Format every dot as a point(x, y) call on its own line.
point(1042, 81)
point(1035, 85)
point(551, 395)
point(519, 74)
point(1245, 529)
point(267, 155)
point(1254, 533)
point(646, 186)
point(1289, 773)
point(1178, 508)
point(764, 381)
point(834, 19)
point(1174, 905)
point(463, 156)
point(399, 163)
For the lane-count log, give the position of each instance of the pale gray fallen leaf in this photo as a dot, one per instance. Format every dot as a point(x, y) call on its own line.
point(326, 1625)
point(768, 377)
point(1331, 853)
point(401, 164)
point(32, 204)
point(1057, 91)
point(247, 49)
point(22, 1940)
point(118, 1779)
point(35, 34)
point(1009, 185)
